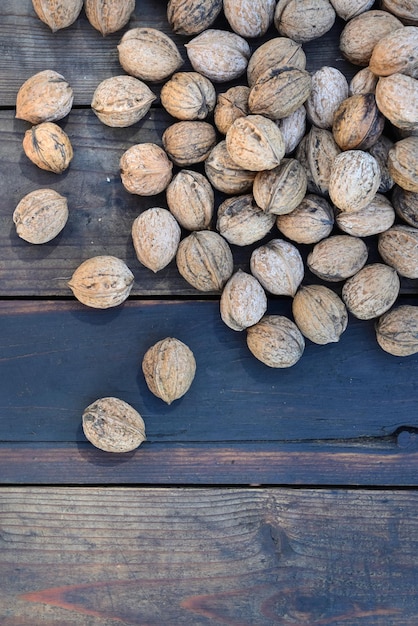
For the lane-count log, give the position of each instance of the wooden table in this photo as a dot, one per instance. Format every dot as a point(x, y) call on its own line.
point(262, 496)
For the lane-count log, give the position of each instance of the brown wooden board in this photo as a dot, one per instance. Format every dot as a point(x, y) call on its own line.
point(200, 557)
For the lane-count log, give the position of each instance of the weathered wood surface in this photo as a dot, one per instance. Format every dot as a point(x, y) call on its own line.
point(208, 557)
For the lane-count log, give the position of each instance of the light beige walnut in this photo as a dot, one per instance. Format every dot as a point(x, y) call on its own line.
point(219, 55)
point(403, 163)
point(311, 221)
point(121, 101)
point(192, 17)
point(145, 169)
point(274, 54)
point(249, 18)
point(361, 34)
point(278, 93)
point(278, 266)
point(241, 221)
point(109, 16)
point(187, 142)
point(304, 20)
point(397, 330)
point(338, 257)
point(276, 341)
point(148, 54)
point(40, 215)
point(380, 151)
point(281, 189)
point(354, 180)
point(102, 282)
point(293, 128)
point(397, 99)
point(329, 90)
point(372, 291)
point(405, 204)
point(316, 153)
point(396, 53)
point(188, 96)
point(156, 236)
point(224, 174)
point(57, 14)
point(44, 97)
point(169, 368)
point(48, 147)
point(191, 200)
point(320, 314)
point(243, 301)
point(113, 425)
point(204, 259)
point(398, 247)
point(347, 9)
point(230, 106)
point(364, 81)
point(375, 218)
point(255, 143)
point(358, 123)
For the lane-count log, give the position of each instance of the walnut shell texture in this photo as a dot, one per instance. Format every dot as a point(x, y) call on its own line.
point(347, 9)
point(293, 128)
point(40, 215)
point(320, 314)
point(358, 123)
point(113, 425)
point(249, 18)
point(191, 200)
point(57, 14)
point(274, 54)
point(397, 330)
point(231, 105)
point(191, 17)
point(189, 142)
point(311, 221)
point(241, 221)
point(361, 34)
point(396, 53)
point(398, 247)
point(278, 93)
point(145, 169)
point(276, 341)
point(205, 261)
point(48, 147)
point(188, 96)
point(372, 291)
point(403, 163)
point(219, 54)
point(405, 204)
point(338, 257)
point(282, 189)
point(156, 236)
point(148, 54)
point(102, 282)
point(304, 20)
point(121, 101)
point(255, 143)
point(224, 174)
point(108, 16)
point(354, 180)
point(397, 99)
point(44, 97)
point(329, 90)
point(316, 152)
point(375, 218)
point(169, 368)
point(243, 301)
point(278, 266)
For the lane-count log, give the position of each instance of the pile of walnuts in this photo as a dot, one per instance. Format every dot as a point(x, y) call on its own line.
point(322, 161)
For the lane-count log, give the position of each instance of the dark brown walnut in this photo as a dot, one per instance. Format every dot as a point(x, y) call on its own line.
point(169, 368)
point(281, 189)
point(57, 14)
point(109, 16)
point(372, 291)
point(274, 54)
point(255, 142)
point(48, 147)
point(320, 314)
point(40, 215)
point(243, 301)
point(397, 330)
point(148, 54)
point(113, 425)
point(397, 52)
point(278, 266)
point(329, 90)
point(187, 142)
point(249, 18)
point(204, 260)
point(145, 169)
point(219, 55)
point(102, 282)
point(405, 204)
point(276, 341)
point(338, 257)
point(242, 222)
point(358, 123)
point(304, 20)
point(316, 153)
point(188, 96)
point(311, 221)
point(121, 101)
point(380, 151)
point(375, 218)
point(191, 200)
point(278, 93)
point(44, 97)
point(224, 174)
point(363, 32)
point(230, 106)
point(398, 247)
point(191, 17)
point(403, 163)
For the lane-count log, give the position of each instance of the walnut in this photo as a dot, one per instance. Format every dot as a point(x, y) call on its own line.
point(113, 425)
point(255, 143)
point(403, 163)
point(191, 200)
point(278, 266)
point(44, 97)
point(204, 259)
point(372, 291)
point(316, 152)
point(354, 180)
point(192, 17)
point(243, 301)
point(145, 169)
point(242, 222)
point(358, 122)
point(57, 14)
point(169, 368)
point(188, 96)
point(102, 282)
point(304, 20)
point(405, 204)
point(249, 18)
point(397, 52)
point(224, 174)
point(109, 16)
point(320, 314)
point(374, 218)
point(347, 9)
point(281, 189)
point(187, 142)
point(278, 93)
point(397, 330)
point(311, 221)
point(338, 257)
point(361, 34)
point(380, 151)
point(40, 215)
point(276, 341)
point(48, 147)
point(293, 128)
point(364, 81)
point(274, 54)
point(148, 54)
point(397, 99)
point(230, 106)
point(329, 90)
point(219, 55)
point(121, 101)
point(156, 236)
point(398, 247)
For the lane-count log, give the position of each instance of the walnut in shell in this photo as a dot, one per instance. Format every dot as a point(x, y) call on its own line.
point(255, 143)
point(242, 222)
point(311, 221)
point(230, 106)
point(148, 54)
point(156, 236)
point(102, 282)
point(191, 200)
point(169, 368)
point(249, 18)
point(358, 123)
point(48, 147)
point(372, 291)
point(293, 128)
point(204, 259)
point(274, 54)
point(316, 153)
point(403, 163)
point(188, 96)
point(219, 54)
point(44, 97)
point(145, 169)
point(364, 81)
point(380, 151)
point(278, 266)
point(276, 341)
point(329, 90)
point(40, 215)
point(405, 204)
point(281, 189)
point(224, 174)
point(398, 247)
point(403, 9)
point(243, 301)
point(304, 20)
point(374, 218)
point(192, 17)
point(113, 425)
point(109, 16)
point(320, 314)
point(397, 330)
point(397, 52)
point(397, 99)
point(57, 14)
point(121, 101)
point(278, 93)
point(354, 180)
point(338, 257)
point(347, 9)
point(187, 142)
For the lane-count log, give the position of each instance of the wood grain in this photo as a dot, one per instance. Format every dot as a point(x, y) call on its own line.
point(208, 557)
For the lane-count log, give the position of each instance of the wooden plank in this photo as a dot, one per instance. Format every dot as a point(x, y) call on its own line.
point(208, 557)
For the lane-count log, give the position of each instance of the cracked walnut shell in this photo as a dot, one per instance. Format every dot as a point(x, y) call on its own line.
point(113, 425)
